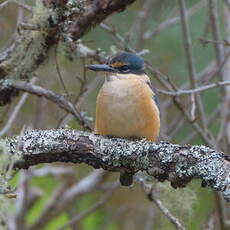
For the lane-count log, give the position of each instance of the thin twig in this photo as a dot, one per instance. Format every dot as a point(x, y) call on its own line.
point(210, 224)
point(205, 136)
point(60, 100)
point(173, 21)
point(196, 90)
point(150, 219)
point(203, 77)
point(22, 201)
point(83, 89)
point(27, 26)
point(167, 213)
point(53, 170)
point(15, 112)
point(90, 87)
point(192, 73)
point(211, 121)
point(220, 66)
point(213, 14)
point(163, 79)
point(227, 89)
point(206, 41)
point(223, 136)
point(59, 73)
point(190, 61)
point(4, 4)
point(227, 4)
point(140, 23)
point(93, 208)
point(150, 192)
point(65, 197)
point(20, 4)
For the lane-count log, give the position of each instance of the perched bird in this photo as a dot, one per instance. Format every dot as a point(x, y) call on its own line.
point(126, 105)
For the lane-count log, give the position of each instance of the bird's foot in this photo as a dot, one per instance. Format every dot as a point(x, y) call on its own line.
point(133, 138)
point(111, 136)
point(126, 179)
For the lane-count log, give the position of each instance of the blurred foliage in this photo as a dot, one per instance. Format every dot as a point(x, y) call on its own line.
point(128, 208)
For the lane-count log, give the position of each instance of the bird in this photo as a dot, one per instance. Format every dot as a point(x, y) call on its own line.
point(127, 105)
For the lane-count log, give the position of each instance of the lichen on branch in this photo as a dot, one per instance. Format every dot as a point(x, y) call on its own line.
point(51, 21)
point(178, 164)
point(7, 162)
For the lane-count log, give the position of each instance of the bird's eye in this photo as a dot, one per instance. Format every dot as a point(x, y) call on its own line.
point(124, 68)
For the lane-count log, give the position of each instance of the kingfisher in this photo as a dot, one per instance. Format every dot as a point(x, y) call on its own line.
point(127, 105)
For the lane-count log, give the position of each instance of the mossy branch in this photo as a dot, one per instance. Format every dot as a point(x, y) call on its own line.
point(178, 164)
point(51, 21)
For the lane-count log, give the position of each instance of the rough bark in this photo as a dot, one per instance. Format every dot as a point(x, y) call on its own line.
point(52, 21)
point(165, 161)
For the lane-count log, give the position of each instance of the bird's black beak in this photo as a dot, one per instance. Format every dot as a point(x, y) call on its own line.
point(101, 67)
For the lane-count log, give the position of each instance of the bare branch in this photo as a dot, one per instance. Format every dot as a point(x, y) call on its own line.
point(65, 197)
point(210, 225)
point(213, 14)
point(60, 100)
point(20, 4)
point(150, 218)
point(173, 21)
point(167, 213)
point(95, 206)
point(219, 53)
point(22, 201)
point(140, 23)
point(224, 135)
point(196, 90)
point(227, 3)
point(190, 61)
point(15, 112)
point(152, 197)
point(27, 26)
point(206, 41)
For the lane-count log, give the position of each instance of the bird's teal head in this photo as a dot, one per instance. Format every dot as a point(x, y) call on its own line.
point(123, 63)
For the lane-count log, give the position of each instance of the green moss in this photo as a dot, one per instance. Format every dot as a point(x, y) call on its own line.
point(40, 15)
point(32, 46)
point(6, 163)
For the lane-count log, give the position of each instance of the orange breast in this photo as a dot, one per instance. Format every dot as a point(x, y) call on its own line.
point(125, 108)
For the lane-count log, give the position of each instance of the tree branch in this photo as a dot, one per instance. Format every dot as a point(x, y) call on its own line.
point(178, 164)
point(58, 99)
point(200, 89)
point(152, 197)
point(66, 20)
